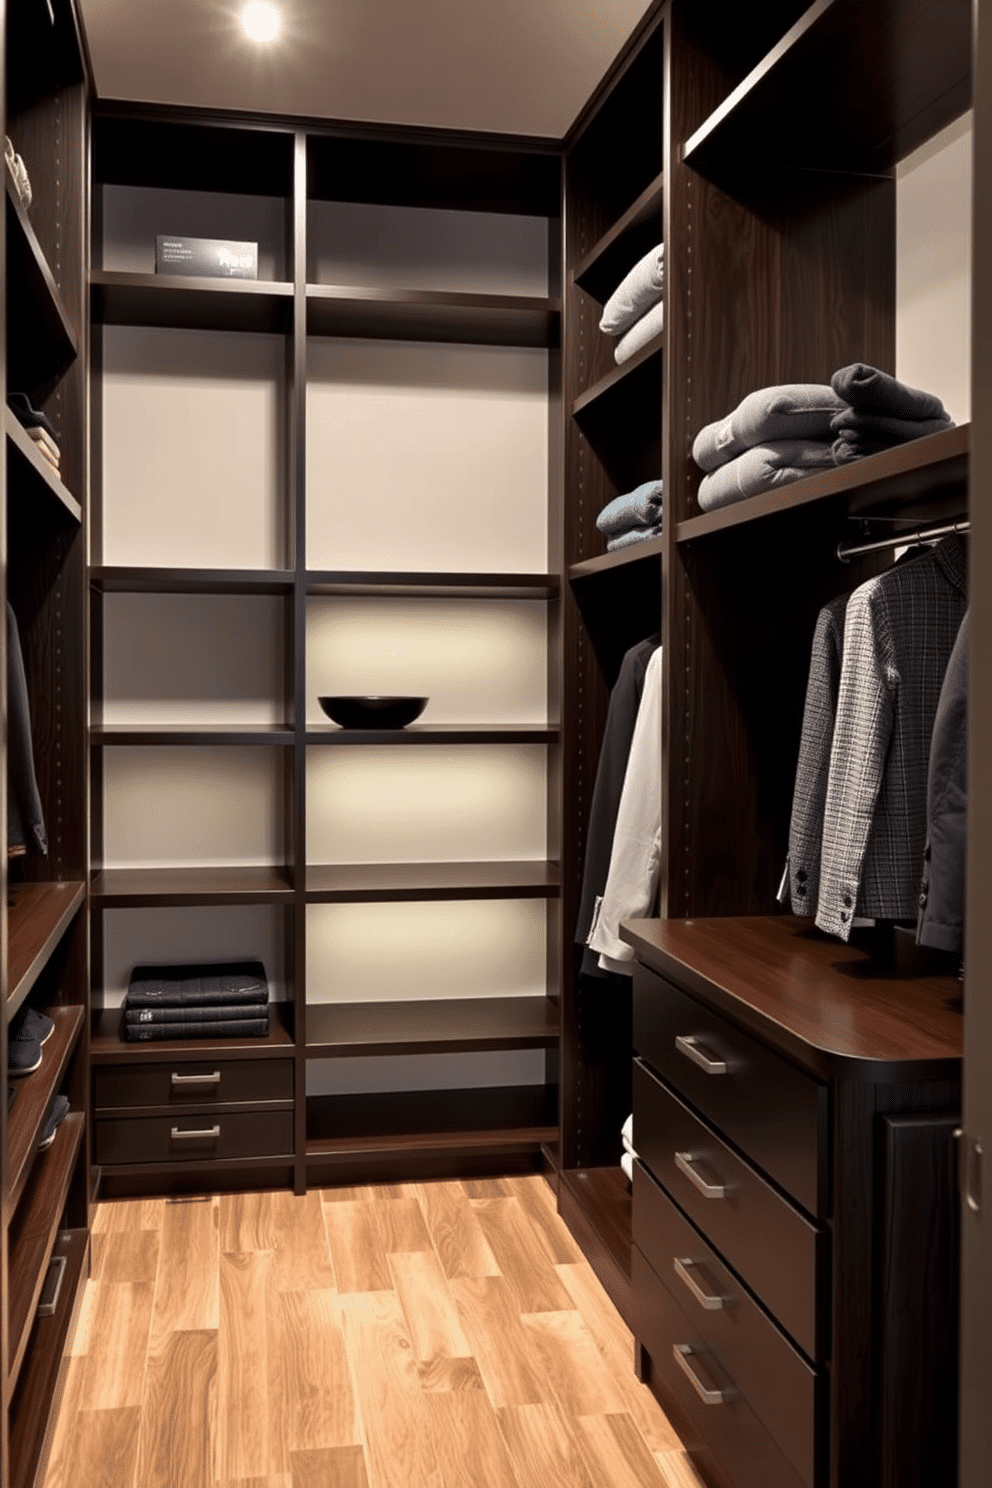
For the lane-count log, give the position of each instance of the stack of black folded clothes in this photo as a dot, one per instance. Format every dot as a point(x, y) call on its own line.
point(881, 413)
point(229, 999)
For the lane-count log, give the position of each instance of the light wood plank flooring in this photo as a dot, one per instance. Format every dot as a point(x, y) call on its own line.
point(435, 1335)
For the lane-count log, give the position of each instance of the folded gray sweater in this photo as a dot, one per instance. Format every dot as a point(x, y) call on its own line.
point(636, 292)
point(640, 333)
point(797, 410)
point(630, 539)
point(869, 390)
point(635, 510)
point(761, 469)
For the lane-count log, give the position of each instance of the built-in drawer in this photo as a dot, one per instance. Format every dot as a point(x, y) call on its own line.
point(780, 1253)
point(783, 1390)
point(206, 1082)
point(709, 1408)
point(188, 1139)
point(764, 1104)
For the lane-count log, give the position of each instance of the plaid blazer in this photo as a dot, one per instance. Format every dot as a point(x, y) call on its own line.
point(813, 766)
point(899, 632)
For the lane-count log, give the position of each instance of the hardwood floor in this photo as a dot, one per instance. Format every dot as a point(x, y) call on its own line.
point(436, 1335)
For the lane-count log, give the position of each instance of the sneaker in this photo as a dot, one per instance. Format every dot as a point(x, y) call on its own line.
point(57, 1113)
point(30, 1024)
point(23, 1056)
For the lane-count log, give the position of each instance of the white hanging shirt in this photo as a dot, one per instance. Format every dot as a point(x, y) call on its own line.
point(632, 882)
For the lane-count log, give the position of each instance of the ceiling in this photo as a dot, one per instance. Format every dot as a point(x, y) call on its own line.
point(505, 66)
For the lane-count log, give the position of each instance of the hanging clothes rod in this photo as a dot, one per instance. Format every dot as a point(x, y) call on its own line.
point(847, 551)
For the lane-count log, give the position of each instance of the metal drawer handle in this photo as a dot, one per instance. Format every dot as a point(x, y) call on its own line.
point(710, 1300)
point(688, 1045)
point(209, 1135)
point(49, 1300)
point(684, 1162)
point(179, 1080)
point(682, 1353)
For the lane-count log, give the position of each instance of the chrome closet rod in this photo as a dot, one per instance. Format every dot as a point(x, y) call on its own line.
point(847, 551)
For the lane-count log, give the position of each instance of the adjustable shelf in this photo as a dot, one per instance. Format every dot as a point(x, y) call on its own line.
point(633, 235)
point(861, 82)
point(445, 1026)
point(610, 563)
point(404, 1131)
point(643, 369)
point(33, 1230)
point(42, 341)
point(371, 883)
point(422, 315)
point(38, 468)
point(190, 303)
point(37, 918)
point(433, 585)
point(140, 888)
point(114, 579)
point(438, 733)
point(35, 1092)
point(924, 478)
point(164, 734)
point(107, 1046)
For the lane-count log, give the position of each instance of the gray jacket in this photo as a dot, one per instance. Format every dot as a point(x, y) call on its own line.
point(813, 766)
point(900, 629)
point(941, 918)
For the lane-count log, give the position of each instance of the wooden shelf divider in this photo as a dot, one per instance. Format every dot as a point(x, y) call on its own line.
point(36, 920)
point(432, 315)
point(595, 397)
point(367, 883)
point(115, 579)
point(107, 1046)
point(165, 300)
point(132, 888)
point(455, 1025)
point(607, 261)
point(433, 585)
point(40, 469)
point(114, 735)
point(437, 733)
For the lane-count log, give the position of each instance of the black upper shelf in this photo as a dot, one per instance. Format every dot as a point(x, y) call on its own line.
point(190, 303)
point(421, 315)
point(630, 237)
point(926, 479)
point(116, 579)
point(861, 83)
point(41, 339)
point(433, 585)
point(437, 733)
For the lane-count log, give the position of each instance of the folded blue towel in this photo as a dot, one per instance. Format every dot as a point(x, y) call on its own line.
point(795, 410)
point(630, 539)
point(870, 391)
point(636, 292)
point(761, 469)
point(640, 333)
point(634, 512)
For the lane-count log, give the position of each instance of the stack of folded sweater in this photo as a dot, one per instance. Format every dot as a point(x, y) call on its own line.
point(632, 518)
point(226, 1000)
point(880, 412)
point(635, 310)
point(774, 436)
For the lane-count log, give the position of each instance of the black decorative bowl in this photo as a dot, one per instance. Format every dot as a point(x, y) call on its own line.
point(373, 712)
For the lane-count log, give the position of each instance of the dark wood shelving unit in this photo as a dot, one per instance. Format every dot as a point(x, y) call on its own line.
point(33, 1232)
point(644, 365)
point(125, 735)
point(434, 586)
point(41, 336)
point(915, 482)
point(596, 1204)
point(134, 888)
point(189, 303)
point(41, 471)
point(844, 112)
point(447, 1026)
point(633, 235)
point(35, 1093)
point(421, 315)
point(36, 921)
point(438, 733)
point(368, 883)
point(114, 579)
point(107, 1046)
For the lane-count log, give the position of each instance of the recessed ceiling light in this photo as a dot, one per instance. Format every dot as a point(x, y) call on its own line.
point(260, 20)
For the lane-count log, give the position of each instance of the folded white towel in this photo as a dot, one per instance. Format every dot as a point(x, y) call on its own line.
point(627, 1130)
point(635, 293)
point(627, 1163)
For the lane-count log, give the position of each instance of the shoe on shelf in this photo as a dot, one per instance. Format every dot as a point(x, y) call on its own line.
point(23, 1056)
point(28, 416)
point(30, 1024)
point(57, 1113)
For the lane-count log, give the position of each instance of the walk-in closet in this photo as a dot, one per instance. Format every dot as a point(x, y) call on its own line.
point(582, 1075)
